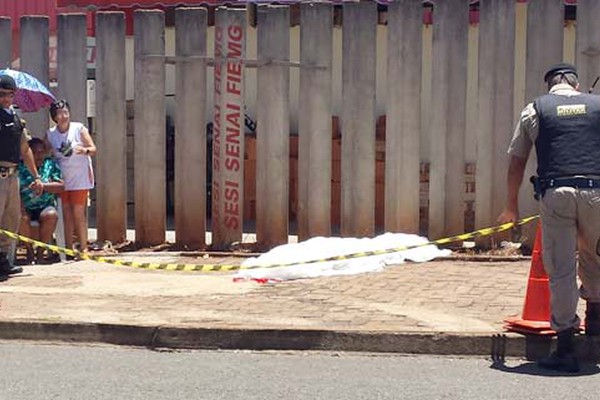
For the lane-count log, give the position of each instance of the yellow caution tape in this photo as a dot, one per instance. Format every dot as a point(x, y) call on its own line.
point(225, 267)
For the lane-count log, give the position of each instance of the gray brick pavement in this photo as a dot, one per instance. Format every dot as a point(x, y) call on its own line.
point(456, 297)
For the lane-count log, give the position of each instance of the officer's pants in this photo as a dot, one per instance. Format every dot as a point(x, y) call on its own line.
point(10, 209)
point(570, 221)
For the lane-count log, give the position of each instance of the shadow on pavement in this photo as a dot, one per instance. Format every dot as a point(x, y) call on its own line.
point(531, 368)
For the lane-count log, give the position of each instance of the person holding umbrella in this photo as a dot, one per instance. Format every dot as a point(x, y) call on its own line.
point(13, 147)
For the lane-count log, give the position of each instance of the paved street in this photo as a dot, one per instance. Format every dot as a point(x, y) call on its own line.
point(104, 372)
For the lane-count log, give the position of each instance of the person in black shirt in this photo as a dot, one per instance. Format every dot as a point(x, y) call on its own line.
point(13, 147)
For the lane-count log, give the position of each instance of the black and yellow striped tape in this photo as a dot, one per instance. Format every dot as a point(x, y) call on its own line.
point(226, 267)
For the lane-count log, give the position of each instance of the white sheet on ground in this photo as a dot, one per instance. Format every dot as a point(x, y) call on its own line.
point(321, 247)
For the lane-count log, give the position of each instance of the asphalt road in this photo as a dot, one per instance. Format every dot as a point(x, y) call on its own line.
point(52, 371)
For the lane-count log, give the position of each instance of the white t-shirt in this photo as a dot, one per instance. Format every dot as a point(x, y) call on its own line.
point(76, 169)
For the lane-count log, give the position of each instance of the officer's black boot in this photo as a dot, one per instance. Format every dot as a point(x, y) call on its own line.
point(592, 319)
point(3, 269)
point(6, 268)
point(564, 358)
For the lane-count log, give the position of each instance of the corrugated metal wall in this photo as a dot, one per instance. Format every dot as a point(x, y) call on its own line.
point(17, 8)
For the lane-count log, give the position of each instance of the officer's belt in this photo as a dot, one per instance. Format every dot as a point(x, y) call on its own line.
point(5, 172)
point(575, 182)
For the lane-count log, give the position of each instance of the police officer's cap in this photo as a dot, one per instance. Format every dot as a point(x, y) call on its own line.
point(7, 83)
point(560, 68)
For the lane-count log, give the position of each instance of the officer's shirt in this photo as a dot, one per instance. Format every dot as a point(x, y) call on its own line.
point(527, 128)
point(24, 137)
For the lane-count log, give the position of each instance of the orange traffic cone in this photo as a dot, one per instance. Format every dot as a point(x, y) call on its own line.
point(536, 311)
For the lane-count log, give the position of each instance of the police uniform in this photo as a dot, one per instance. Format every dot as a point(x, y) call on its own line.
point(11, 137)
point(564, 126)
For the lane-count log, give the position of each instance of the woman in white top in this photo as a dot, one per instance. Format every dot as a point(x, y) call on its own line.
point(72, 147)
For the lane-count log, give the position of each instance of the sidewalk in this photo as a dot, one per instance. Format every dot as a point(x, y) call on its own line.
point(439, 307)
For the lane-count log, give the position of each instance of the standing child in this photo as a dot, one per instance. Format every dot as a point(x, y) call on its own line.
point(73, 147)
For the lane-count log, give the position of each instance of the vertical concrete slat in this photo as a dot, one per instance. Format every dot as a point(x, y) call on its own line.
point(111, 127)
point(447, 170)
point(150, 123)
point(403, 116)
point(358, 119)
point(72, 64)
point(35, 60)
point(587, 56)
point(190, 128)
point(315, 109)
point(272, 169)
point(496, 94)
point(426, 93)
point(6, 38)
point(228, 128)
point(544, 48)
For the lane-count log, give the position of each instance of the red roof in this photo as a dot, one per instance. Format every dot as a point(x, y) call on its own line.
point(111, 4)
point(15, 9)
point(129, 5)
point(167, 3)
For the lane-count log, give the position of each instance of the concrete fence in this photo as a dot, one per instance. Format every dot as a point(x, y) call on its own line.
point(372, 177)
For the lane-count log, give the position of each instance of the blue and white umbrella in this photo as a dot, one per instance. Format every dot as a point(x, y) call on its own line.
point(31, 94)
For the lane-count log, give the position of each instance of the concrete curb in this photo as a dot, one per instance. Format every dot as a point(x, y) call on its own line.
point(476, 344)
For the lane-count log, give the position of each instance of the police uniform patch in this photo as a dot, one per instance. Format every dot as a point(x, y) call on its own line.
point(570, 110)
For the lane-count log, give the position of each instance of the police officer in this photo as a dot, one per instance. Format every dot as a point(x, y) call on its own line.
point(13, 146)
point(564, 126)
